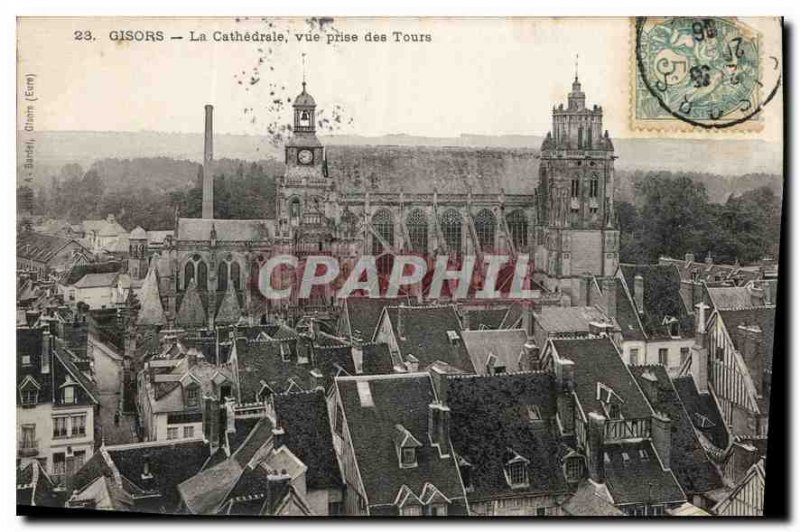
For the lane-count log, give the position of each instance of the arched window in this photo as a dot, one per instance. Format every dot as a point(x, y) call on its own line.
point(518, 227)
point(222, 276)
point(485, 224)
point(417, 225)
point(593, 186)
point(294, 209)
point(236, 278)
point(580, 136)
point(451, 229)
point(202, 276)
point(383, 224)
point(188, 274)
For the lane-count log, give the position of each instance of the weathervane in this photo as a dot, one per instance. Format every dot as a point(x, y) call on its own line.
point(304, 70)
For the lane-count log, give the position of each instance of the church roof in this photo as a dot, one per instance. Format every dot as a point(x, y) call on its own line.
point(423, 169)
point(151, 312)
point(191, 313)
point(229, 310)
point(194, 229)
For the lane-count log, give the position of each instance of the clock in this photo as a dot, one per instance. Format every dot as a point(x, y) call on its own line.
point(305, 157)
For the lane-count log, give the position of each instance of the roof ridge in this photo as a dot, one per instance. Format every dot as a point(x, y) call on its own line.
point(751, 307)
point(507, 373)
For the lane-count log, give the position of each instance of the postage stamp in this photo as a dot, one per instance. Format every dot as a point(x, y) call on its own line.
point(691, 73)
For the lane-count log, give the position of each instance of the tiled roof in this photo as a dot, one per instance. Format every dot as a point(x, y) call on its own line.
point(260, 362)
point(701, 271)
point(591, 500)
point(424, 169)
point(97, 280)
point(229, 310)
point(423, 333)
point(169, 464)
point(204, 492)
point(688, 460)
point(199, 229)
point(559, 320)
point(78, 271)
point(662, 298)
point(626, 315)
point(39, 246)
point(34, 487)
point(396, 399)
point(703, 411)
point(505, 344)
point(723, 297)
point(489, 318)
point(639, 480)
point(304, 418)
point(364, 313)
point(62, 356)
point(376, 359)
point(490, 414)
point(333, 360)
point(597, 361)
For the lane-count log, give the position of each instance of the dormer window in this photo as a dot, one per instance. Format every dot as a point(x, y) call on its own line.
point(29, 392)
point(285, 352)
point(406, 446)
point(610, 401)
point(643, 456)
point(192, 396)
point(408, 457)
point(452, 336)
point(626, 459)
point(574, 468)
point(516, 470)
point(534, 414)
point(68, 395)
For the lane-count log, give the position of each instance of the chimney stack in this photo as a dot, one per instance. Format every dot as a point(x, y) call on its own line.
point(595, 441)
point(699, 350)
point(609, 286)
point(662, 437)
point(565, 384)
point(208, 158)
point(638, 293)
point(689, 257)
point(439, 426)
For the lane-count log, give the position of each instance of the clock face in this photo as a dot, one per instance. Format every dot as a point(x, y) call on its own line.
point(305, 157)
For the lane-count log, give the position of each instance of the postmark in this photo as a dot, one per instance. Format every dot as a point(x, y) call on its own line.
point(700, 73)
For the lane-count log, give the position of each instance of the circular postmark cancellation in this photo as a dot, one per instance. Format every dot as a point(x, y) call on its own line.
point(706, 72)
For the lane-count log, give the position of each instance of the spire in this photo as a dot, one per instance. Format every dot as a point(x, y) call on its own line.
point(229, 310)
point(576, 85)
point(304, 71)
point(191, 313)
point(151, 311)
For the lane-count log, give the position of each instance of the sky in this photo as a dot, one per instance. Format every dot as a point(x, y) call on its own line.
point(481, 76)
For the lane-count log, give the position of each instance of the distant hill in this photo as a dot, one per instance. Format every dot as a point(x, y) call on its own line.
point(161, 160)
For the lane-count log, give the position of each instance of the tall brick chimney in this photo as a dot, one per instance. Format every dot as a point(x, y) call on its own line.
point(208, 158)
point(699, 350)
point(596, 431)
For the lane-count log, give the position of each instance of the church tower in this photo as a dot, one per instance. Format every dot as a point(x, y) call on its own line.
point(304, 187)
point(576, 231)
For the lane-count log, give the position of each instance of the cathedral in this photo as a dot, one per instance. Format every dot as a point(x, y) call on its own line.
point(555, 205)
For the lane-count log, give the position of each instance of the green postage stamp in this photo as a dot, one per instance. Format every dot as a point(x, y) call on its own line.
point(696, 73)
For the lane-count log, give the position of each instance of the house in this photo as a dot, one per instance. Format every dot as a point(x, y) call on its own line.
point(391, 437)
point(172, 393)
point(263, 365)
point(747, 497)
point(34, 486)
point(500, 350)
point(304, 428)
point(141, 477)
point(609, 294)
point(359, 316)
point(739, 345)
point(616, 431)
point(558, 321)
point(56, 405)
point(97, 290)
point(418, 336)
point(689, 460)
point(666, 320)
point(504, 433)
point(105, 235)
point(44, 253)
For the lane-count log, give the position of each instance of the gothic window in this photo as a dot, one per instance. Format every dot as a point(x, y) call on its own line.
point(580, 136)
point(294, 209)
point(202, 276)
point(188, 274)
point(236, 276)
point(593, 187)
point(485, 223)
point(383, 224)
point(451, 229)
point(222, 276)
point(518, 227)
point(576, 188)
point(417, 224)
